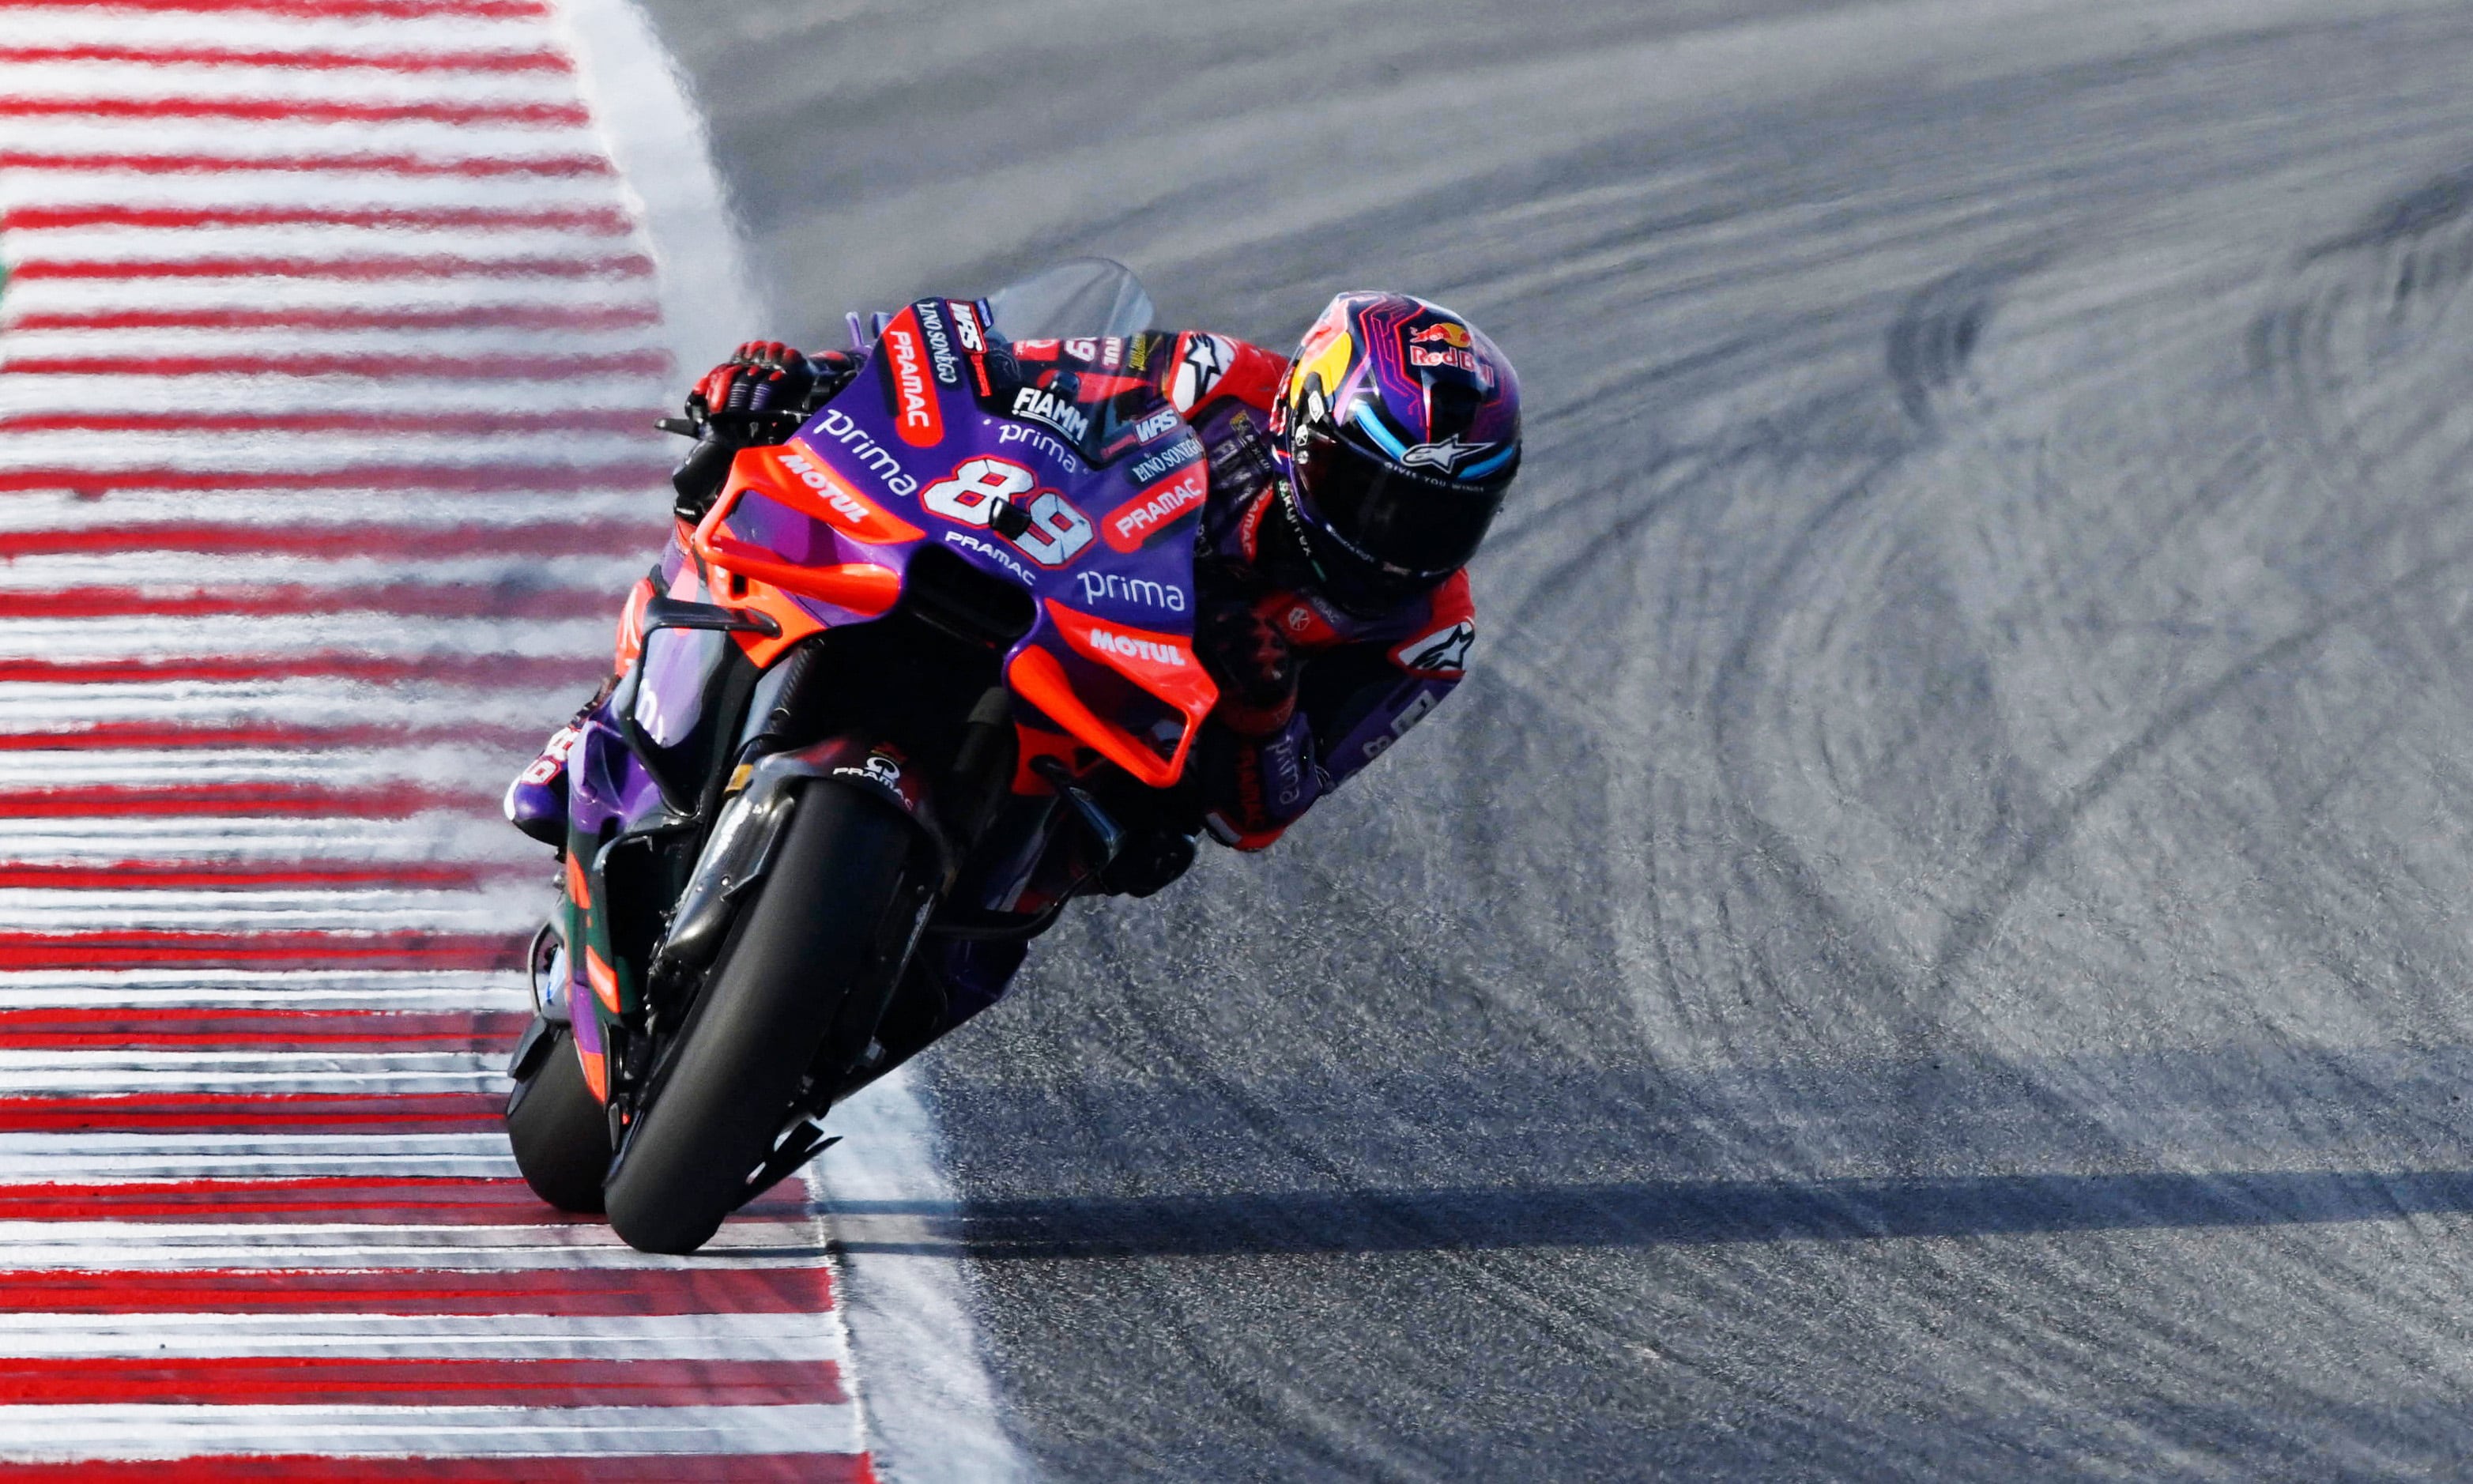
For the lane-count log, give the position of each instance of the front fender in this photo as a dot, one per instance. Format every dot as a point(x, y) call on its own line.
point(746, 836)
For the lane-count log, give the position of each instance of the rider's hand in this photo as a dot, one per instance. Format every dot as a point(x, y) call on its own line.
point(1249, 657)
point(764, 375)
point(772, 386)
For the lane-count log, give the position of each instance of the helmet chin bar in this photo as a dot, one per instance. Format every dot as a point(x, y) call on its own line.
point(1302, 538)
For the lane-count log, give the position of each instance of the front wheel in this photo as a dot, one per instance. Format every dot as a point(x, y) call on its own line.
point(559, 1130)
point(807, 940)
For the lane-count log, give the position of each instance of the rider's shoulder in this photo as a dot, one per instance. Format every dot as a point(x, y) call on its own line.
point(1427, 635)
point(1196, 370)
point(1435, 632)
point(1197, 367)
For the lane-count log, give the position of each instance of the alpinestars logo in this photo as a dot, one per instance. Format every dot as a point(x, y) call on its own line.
point(1445, 455)
point(1206, 359)
point(1443, 652)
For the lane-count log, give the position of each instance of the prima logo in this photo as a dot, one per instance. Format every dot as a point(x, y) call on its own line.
point(1016, 433)
point(1140, 591)
point(843, 429)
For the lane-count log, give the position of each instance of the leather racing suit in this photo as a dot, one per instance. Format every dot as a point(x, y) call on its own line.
point(1349, 684)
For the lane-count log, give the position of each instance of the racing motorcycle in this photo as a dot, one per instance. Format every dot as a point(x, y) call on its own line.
point(927, 676)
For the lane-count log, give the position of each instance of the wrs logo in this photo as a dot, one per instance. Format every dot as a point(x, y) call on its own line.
point(918, 416)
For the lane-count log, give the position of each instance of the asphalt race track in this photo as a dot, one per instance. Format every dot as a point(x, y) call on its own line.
point(1935, 943)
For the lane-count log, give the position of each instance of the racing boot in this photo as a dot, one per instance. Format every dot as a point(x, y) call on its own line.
point(536, 801)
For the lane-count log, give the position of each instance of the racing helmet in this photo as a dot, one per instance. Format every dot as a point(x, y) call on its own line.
point(1397, 432)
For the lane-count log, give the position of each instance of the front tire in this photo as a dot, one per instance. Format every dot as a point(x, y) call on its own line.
point(560, 1131)
point(804, 944)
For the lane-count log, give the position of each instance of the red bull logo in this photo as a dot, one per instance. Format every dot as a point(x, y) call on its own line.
point(1455, 336)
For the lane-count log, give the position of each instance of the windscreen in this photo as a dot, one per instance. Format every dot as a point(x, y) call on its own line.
point(1081, 295)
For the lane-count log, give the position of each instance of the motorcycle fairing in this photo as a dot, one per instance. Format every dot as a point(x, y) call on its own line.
point(933, 444)
point(822, 532)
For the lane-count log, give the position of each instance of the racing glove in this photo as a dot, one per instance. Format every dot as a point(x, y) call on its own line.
point(1253, 787)
point(757, 395)
point(763, 375)
point(1248, 656)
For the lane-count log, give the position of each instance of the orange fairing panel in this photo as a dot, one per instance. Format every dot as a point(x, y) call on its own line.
point(631, 624)
point(603, 978)
point(596, 1072)
point(799, 477)
point(1163, 665)
point(861, 587)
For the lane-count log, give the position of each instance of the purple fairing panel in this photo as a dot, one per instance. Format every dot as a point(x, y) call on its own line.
point(585, 1018)
point(607, 786)
point(671, 689)
point(938, 433)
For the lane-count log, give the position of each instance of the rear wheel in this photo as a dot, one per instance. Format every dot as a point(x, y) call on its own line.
point(805, 943)
point(559, 1130)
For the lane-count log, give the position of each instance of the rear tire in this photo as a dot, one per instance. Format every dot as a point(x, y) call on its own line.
point(804, 943)
point(559, 1132)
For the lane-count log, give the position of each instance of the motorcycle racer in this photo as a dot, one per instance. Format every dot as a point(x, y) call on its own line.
point(1348, 487)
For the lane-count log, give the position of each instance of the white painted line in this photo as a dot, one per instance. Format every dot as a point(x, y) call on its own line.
point(481, 1337)
point(933, 1409)
point(77, 1156)
point(171, 1246)
point(37, 1433)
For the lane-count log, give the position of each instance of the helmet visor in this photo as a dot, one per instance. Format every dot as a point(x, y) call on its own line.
point(1404, 519)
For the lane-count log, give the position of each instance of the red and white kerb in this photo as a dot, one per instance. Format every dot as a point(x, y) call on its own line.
point(329, 350)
